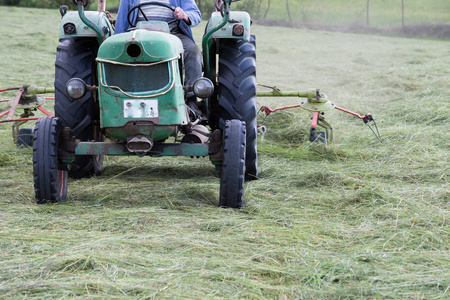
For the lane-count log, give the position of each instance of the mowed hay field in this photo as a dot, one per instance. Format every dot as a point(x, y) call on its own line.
point(355, 219)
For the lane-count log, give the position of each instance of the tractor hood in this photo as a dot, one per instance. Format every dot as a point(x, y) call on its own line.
point(140, 89)
point(140, 46)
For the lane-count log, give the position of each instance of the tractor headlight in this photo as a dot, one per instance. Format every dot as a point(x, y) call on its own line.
point(203, 88)
point(76, 88)
point(238, 30)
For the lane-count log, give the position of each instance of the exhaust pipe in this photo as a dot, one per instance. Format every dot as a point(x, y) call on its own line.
point(139, 144)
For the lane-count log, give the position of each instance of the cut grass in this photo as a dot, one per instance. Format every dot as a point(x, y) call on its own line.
point(358, 219)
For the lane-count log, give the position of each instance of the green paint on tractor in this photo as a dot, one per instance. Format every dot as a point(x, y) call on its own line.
point(125, 94)
point(140, 90)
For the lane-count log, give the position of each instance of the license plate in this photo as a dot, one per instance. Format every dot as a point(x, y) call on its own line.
point(140, 109)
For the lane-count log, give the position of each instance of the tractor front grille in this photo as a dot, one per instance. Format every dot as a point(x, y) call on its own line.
point(136, 78)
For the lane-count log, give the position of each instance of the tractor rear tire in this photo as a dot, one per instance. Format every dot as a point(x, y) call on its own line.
point(237, 93)
point(50, 183)
point(25, 137)
point(75, 57)
point(233, 164)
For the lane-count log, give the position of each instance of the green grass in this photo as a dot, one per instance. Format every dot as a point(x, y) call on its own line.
point(357, 219)
point(382, 13)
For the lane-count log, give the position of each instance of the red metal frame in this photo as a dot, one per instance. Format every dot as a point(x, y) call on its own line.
point(353, 113)
point(315, 119)
point(316, 114)
point(267, 110)
point(12, 110)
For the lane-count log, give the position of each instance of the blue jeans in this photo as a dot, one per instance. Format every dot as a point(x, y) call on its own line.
point(192, 62)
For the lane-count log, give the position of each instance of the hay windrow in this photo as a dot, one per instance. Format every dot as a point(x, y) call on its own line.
point(355, 219)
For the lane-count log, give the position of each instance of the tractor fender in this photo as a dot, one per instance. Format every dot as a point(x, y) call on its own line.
point(72, 25)
point(226, 32)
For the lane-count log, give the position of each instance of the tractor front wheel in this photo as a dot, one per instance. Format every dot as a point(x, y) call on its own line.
point(233, 164)
point(50, 183)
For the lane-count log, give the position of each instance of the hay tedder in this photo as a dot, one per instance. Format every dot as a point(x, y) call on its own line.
point(124, 94)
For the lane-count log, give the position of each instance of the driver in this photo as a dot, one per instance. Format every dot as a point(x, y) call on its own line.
point(189, 15)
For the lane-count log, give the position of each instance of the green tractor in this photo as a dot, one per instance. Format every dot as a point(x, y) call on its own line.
point(124, 94)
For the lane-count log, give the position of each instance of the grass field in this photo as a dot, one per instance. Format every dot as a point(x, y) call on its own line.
point(357, 219)
point(382, 13)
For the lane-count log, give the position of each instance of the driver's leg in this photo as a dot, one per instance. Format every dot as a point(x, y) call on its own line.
point(192, 62)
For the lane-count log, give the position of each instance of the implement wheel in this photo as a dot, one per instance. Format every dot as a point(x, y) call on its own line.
point(233, 164)
point(237, 92)
point(25, 137)
point(75, 57)
point(318, 136)
point(50, 183)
